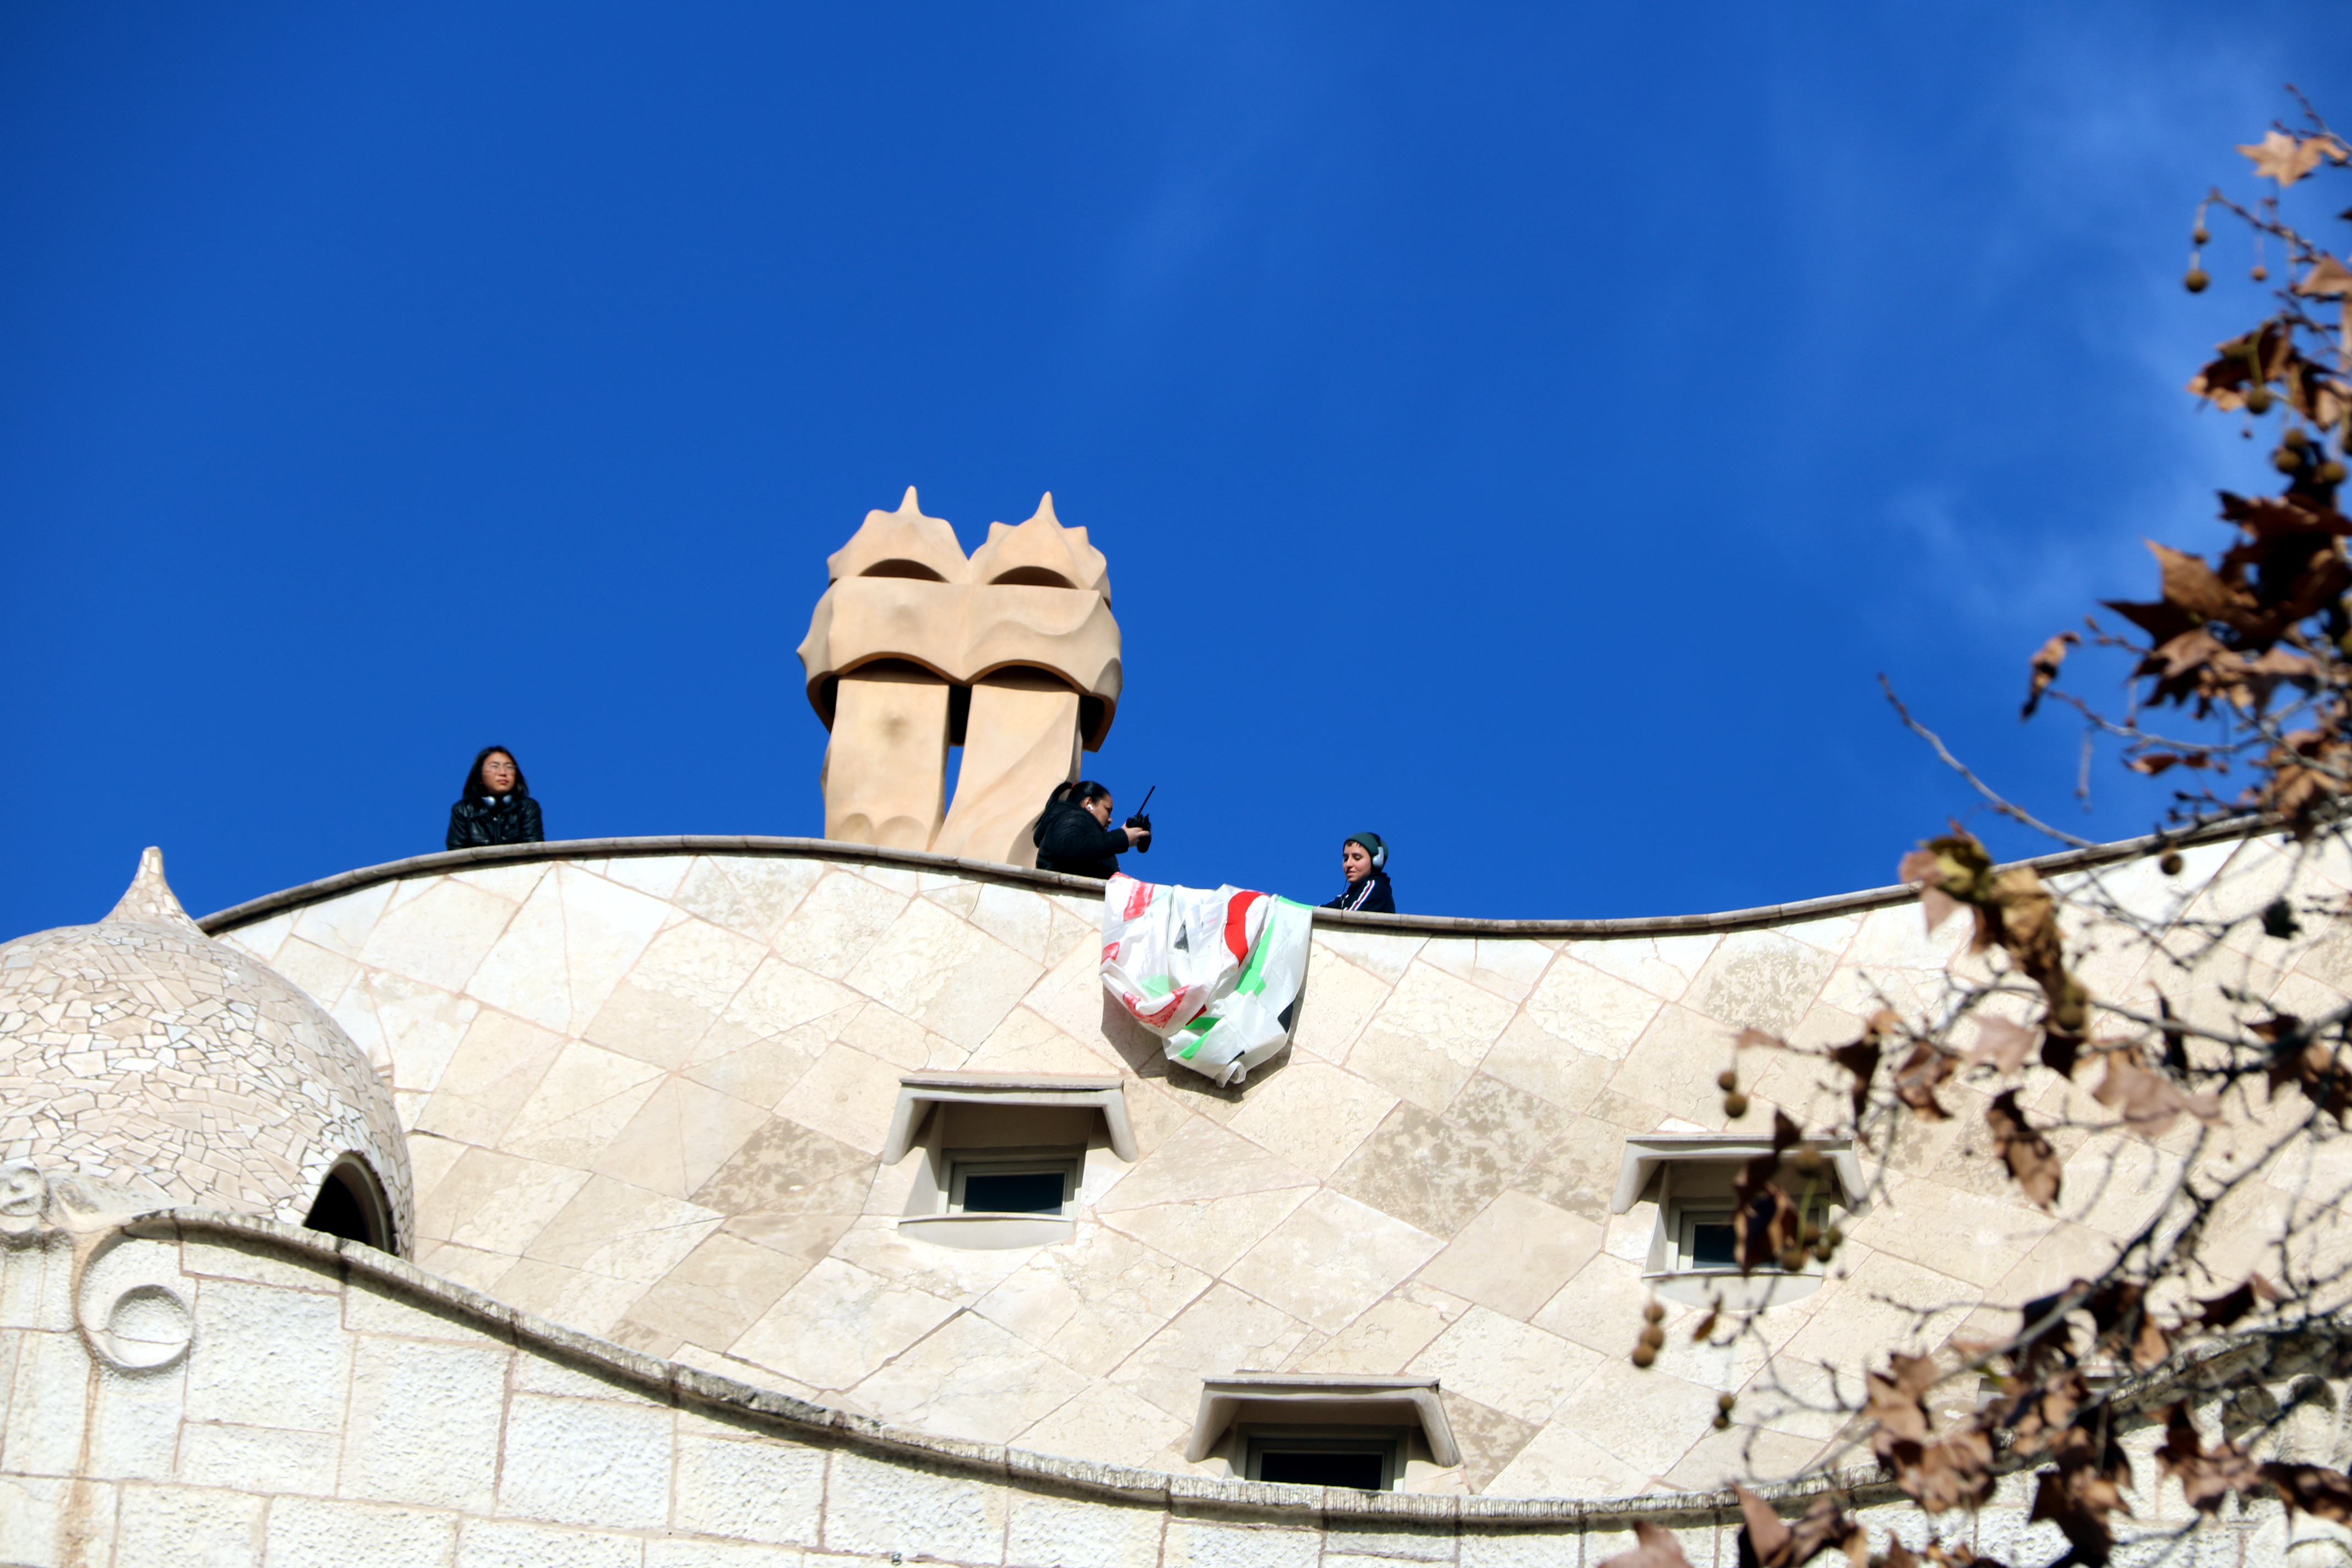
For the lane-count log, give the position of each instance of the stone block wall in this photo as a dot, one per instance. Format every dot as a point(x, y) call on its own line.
point(331, 1408)
point(647, 1093)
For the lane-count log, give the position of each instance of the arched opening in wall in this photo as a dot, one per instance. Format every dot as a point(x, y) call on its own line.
point(1031, 578)
point(350, 1204)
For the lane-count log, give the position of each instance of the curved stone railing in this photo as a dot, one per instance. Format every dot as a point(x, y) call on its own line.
point(269, 904)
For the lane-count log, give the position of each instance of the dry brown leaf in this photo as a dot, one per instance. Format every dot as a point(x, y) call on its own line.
point(2119, 1307)
point(2003, 1044)
point(1922, 866)
point(2315, 1489)
point(2045, 667)
point(2221, 1311)
point(2193, 586)
point(1654, 1548)
point(2330, 279)
point(2032, 1162)
point(2286, 159)
point(2206, 1479)
point(1757, 1039)
point(1915, 1081)
point(2151, 1103)
point(1953, 1473)
point(2078, 1500)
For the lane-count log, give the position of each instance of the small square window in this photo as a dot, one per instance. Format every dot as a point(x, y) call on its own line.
point(1366, 1463)
point(1012, 1181)
point(1706, 1239)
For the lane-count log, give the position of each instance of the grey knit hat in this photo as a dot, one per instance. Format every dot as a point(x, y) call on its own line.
point(1372, 843)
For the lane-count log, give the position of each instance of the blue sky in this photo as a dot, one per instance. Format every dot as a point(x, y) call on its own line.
point(1523, 431)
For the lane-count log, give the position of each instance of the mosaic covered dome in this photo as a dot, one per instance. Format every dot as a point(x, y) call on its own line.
point(139, 1051)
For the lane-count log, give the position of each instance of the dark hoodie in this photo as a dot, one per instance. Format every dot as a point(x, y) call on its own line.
point(481, 819)
point(1069, 838)
point(1372, 896)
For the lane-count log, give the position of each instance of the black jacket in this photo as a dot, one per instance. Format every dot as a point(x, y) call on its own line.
point(1069, 838)
point(1372, 895)
point(508, 820)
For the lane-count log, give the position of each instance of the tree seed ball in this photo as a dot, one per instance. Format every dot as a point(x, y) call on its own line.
point(2296, 439)
point(2199, 236)
point(1807, 1161)
point(2258, 400)
point(1726, 1082)
point(1722, 1423)
point(2171, 863)
point(2331, 472)
point(2285, 461)
point(1655, 1313)
point(1735, 1105)
point(1644, 1355)
point(1654, 1337)
point(2196, 280)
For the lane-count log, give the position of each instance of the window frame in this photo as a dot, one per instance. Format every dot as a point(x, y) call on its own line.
point(962, 1164)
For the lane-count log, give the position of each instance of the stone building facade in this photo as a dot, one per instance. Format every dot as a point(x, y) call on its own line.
point(680, 1123)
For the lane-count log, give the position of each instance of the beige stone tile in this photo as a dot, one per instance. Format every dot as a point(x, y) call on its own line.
point(1108, 1425)
point(1389, 1335)
point(807, 1236)
point(1201, 1159)
point(497, 1203)
point(468, 1266)
point(1518, 1370)
point(786, 1168)
point(1528, 1059)
point(629, 1233)
point(440, 937)
point(1651, 1418)
point(342, 924)
point(698, 963)
point(1975, 1238)
point(1489, 1439)
point(1382, 954)
point(837, 1324)
point(526, 971)
point(781, 996)
point(588, 1096)
point(1020, 919)
point(314, 1533)
point(848, 1095)
point(1092, 1301)
point(1028, 1042)
point(875, 1509)
point(1557, 1462)
point(1331, 1259)
point(1312, 1113)
point(586, 1462)
point(272, 1357)
point(1432, 1174)
point(1748, 1453)
point(510, 1543)
point(1507, 966)
point(606, 929)
point(1425, 1040)
point(655, 876)
point(1209, 1234)
point(576, 1298)
point(420, 1026)
point(1047, 1532)
point(1762, 979)
point(1663, 966)
point(721, 1289)
point(1592, 1012)
point(835, 925)
point(1675, 1064)
point(951, 977)
point(744, 894)
point(323, 974)
point(970, 1379)
point(1515, 1256)
point(498, 1066)
point(888, 1036)
point(262, 938)
point(750, 1492)
point(1223, 1331)
point(423, 1424)
point(680, 1139)
point(962, 1275)
point(1340, 999)
point(653, 1026)
point(760, 1070)
point(187, 1526)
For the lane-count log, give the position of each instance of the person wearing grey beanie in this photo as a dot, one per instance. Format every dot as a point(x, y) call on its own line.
point(1364, 860)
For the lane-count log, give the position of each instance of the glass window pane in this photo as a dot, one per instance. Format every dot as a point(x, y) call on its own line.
point(1295, 1468)
point(1013, 1192)
point(1713, 1244)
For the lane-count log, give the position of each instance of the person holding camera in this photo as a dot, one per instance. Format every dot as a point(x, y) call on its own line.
point(1363, 860)
point(1075, 833)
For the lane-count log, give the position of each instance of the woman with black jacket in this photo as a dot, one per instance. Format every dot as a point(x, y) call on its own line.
point(1075, 833)
point(496, 807)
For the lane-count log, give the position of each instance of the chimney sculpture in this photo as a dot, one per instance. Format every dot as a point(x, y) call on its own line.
point(1012, 654)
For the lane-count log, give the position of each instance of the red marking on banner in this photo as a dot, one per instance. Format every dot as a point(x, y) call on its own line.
point(1139, 900)
point(1237, 924)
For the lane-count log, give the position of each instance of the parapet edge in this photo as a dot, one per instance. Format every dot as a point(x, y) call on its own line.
point(252, 910)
